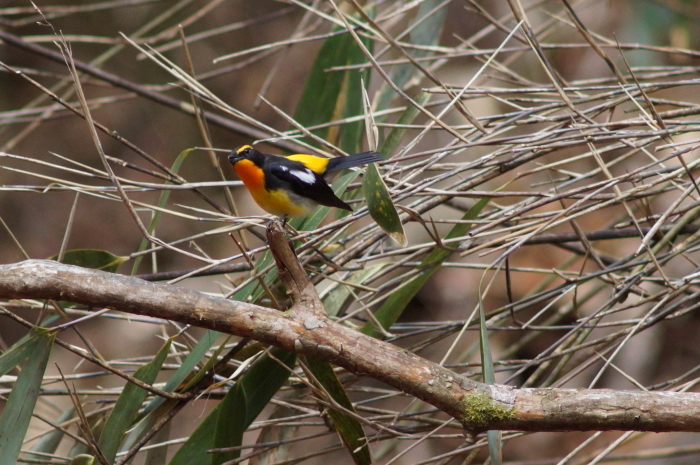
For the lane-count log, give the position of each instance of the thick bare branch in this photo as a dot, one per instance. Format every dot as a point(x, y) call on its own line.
point(304, 330)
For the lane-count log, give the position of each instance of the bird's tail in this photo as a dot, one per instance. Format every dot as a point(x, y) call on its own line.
point(358, 159)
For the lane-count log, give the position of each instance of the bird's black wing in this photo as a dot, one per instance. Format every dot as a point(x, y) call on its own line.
point(303, 182)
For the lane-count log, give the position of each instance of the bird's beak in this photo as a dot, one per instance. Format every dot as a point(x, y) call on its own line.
point(234, 157)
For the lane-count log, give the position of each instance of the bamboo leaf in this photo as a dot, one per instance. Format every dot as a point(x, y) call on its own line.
point(225, 424)
point(164, 196)
point(381, 206)
point(392, 308)
point(125, 410)
point(158, 455)
point(424, 31)
point(184, 377)
point(22, 399)
point(82, 459)
point(92, 258)
point(328, 96)
point(493, 436)
point(49, 442)
point(19, 352)
point(187, 367)
point(338, 296)
point(348, 428)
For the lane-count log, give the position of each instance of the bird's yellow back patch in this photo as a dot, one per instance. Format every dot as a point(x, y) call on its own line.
point(315, 164)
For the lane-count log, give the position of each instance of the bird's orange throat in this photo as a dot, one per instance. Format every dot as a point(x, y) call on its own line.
point(251, 175)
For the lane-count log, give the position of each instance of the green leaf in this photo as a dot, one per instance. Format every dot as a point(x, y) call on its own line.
point(392, 141)
point(127, 407)
point(273, 433)
point(82, 459)
point(22, 399)
point(49, 442)
point(207, 366)
point(427, 32)
point(19, 352)
point(158, 455)
point(164, 195)
point(493, 436)
point(338, 295)
point(351, 133)
point(329, 96)
point(348, 428)
point(495, 446)
point(193, 358)
point(392, 308)
point(92, 258)
point(239, 408)
point(381, 207)
point(231, 423)
point(159, 406)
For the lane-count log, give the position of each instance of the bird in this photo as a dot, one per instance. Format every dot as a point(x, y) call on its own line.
point(293, 185)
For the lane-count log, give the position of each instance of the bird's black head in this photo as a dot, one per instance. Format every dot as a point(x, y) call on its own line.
point(246, 152)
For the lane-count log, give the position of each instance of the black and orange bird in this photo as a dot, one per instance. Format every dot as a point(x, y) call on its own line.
point(293, 185)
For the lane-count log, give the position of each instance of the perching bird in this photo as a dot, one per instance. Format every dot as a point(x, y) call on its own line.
point(293, 185)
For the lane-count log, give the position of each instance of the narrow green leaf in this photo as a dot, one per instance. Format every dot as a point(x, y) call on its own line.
point(208, 365)
point(328, 96)
point(351, 133)
point(392, 308)
point(158, 455)
point(82, 459)
point(339, 295)
point(164, 196)
point(19, 352)
point(392, 141)
point(273, 433)
point(348, 428)
point(495, 446)
point(188, 365)
point(381, 207)
point(22, 399)
point(92, 258)
point(231, 423)
point(127, 407)
point(319, 99)
point(253, 391)
point(159, 406)
point(427, 32)
point(493, 436)
point(49, 442)
point(486, 359)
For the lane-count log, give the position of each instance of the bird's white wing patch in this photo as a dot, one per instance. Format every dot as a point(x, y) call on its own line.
point(306, 176)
